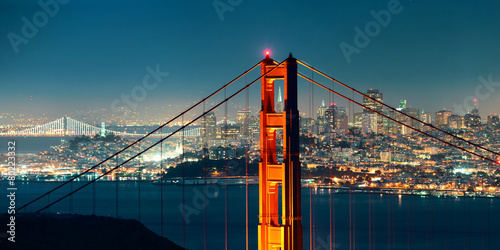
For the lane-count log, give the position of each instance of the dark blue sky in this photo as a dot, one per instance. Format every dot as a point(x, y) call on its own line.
point(90, 52)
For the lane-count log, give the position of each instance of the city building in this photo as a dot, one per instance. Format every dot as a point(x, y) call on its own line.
point(402, 105)
point(441, 118)
point(243, 118)
point(493, 121)
point(321, 119)
point(456, 121)
point(209, 126)
point(471, 120)
point(280, 104)
point(375, 94)
point(427, 118)
point(369, 123)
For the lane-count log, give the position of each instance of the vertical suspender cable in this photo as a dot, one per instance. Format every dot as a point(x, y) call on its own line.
point(116, 187)
point(331, 100)
point(71, 199)
point(488, 228)
point(93, 194)
point(310, 158)
point(139, 182)
point(226, 170)
point(183, 188)
point(408, 222)
point(389, 221)
point(427, 222)
point(161, 185)
point(205, 150)
point(393, 223)
point(353, 205)
point(312, 199)
point(247, 118)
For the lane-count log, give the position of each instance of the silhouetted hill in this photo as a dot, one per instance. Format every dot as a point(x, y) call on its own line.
point(79, 232)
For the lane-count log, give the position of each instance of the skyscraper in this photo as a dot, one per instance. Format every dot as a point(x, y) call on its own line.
point(375, 94)
point(369, 123)
point(426, 117)
point(321, 119)
point(493, 121)
point(209, 126)
point(402, 104)
point(471, 120)
point(441, 118)
point(456, 121)
point(280, 106)
point(242, 118)
point(376, 106)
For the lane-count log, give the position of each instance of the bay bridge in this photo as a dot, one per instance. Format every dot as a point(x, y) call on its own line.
point(67, 126)
point(280, 195)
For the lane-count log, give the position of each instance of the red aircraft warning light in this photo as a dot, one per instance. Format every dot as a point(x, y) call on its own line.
point(268, 53)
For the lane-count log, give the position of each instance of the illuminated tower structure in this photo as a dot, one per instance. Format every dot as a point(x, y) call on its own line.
point(103, 129)
point(274, 235)
point(280, 101)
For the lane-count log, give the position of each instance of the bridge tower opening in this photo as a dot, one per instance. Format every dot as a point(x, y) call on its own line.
point(273, 233)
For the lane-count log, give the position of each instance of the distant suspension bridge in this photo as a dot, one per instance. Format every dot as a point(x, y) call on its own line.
point(67, 126)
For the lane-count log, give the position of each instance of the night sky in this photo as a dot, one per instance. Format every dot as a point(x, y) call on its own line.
point(90, 52)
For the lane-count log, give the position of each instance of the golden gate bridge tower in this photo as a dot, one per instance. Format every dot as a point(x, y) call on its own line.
point(273, 235)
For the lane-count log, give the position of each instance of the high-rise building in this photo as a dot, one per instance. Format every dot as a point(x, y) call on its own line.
point(456, 121)
point(305, 124)
point(413, 112)
point(341, 118)
point(358, 119)
point(369, 123)
point(426, 117)
point(209, 126)
point(321, 119)
point(402, 104)
point(254, 124)
point(329, 119)
point(471, 120)
point(493, 121)
point(280, 104)
point(230, 132)
point(242, 118)
point(375, 94)
point(441, 118)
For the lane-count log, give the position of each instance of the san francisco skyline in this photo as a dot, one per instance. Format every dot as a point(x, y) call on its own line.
point(87, 55)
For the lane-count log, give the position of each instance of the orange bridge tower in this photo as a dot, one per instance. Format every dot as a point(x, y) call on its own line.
point(276, 234)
